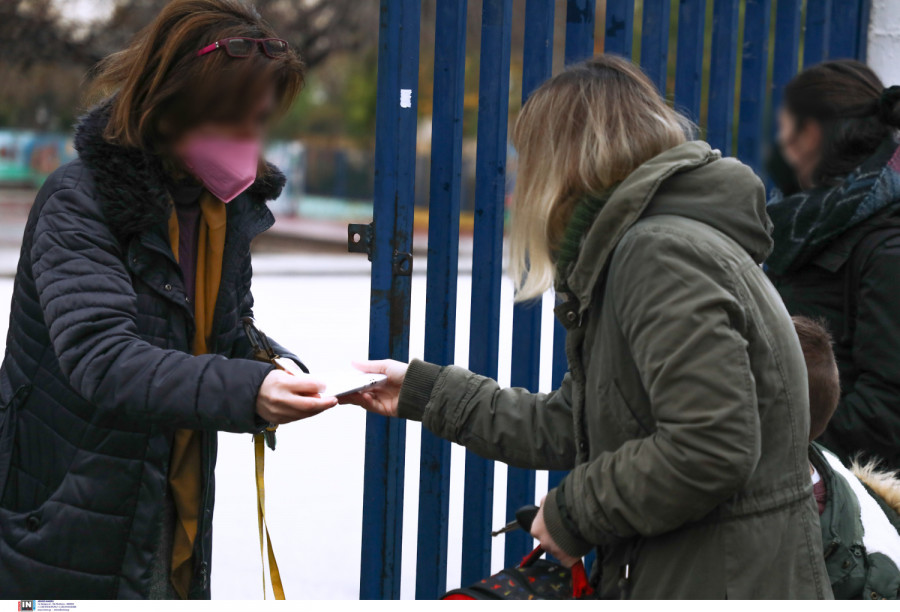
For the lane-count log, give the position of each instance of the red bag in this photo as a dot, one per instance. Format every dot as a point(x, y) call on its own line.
point(533, 578)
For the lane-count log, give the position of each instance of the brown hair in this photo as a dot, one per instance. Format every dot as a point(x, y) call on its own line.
point(580, 132)
point(855, 110)
point(162, 87)
point(822, 373)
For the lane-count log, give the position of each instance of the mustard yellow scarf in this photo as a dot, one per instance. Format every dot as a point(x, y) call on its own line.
point(185, 471)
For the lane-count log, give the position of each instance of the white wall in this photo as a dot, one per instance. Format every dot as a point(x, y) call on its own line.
point(883, 51)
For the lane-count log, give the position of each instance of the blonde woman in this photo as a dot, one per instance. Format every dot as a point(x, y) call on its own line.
point(684, 415)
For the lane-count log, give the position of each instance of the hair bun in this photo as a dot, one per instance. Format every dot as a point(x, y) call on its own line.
point(887, 106)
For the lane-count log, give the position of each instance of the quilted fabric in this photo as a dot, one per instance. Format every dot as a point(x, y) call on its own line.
point(98, 374)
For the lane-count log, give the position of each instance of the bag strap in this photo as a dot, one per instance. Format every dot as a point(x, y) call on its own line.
point(859, 258)
point(581, 586)
point(259, 452)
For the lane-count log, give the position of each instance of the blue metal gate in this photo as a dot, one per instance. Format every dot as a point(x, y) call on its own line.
point(731, 61)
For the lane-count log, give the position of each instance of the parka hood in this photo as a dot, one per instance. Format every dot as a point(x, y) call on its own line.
point(724, 194)
point(691, 180)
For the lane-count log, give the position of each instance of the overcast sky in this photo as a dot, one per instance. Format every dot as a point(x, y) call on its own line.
point(84, 10)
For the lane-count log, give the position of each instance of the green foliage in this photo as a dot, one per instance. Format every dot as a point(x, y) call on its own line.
point(338, 102)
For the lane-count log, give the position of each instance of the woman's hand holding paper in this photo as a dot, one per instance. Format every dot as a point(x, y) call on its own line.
point(383, 398)
point(284, 398)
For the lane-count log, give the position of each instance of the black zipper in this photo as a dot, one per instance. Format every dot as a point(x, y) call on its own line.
point(201, 525)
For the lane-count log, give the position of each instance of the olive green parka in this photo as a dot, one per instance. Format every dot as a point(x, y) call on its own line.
point(684, 416)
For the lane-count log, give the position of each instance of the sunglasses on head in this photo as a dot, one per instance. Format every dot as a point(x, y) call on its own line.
point(240, 46)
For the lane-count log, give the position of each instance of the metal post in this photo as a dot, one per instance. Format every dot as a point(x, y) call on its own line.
point(689, 57)
point(722, 74)
point(395, 147)
point(490, 195)
point(579, 44)
point(816, 33)
point(537, 65)
point(440, 305)
point(844, 28)
point(655, 41)
point(619, 27)
point(786, 48)
point(757, 19)
point(579, 30)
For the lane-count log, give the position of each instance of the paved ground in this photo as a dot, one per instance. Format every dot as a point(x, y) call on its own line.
point(318, 305)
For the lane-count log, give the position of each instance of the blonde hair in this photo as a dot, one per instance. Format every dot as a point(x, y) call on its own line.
point(581, 132)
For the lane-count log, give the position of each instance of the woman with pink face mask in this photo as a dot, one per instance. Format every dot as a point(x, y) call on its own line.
point(126, 351)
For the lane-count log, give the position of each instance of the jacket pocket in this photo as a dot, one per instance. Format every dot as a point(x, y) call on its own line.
point(38, 459)
point(625, 418)
point(8, 411)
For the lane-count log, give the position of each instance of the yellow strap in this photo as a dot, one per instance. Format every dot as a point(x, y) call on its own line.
point(259, 451)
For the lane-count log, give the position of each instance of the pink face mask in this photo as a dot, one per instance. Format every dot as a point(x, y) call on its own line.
point(225, 166)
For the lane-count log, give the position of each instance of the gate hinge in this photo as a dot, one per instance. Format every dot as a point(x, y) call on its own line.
point(360, 238)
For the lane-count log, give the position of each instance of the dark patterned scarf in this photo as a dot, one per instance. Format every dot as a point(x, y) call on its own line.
point(806, 222)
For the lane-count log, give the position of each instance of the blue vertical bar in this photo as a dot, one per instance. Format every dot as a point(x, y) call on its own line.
point(619, 27)
point(579, 30)
point(579, 39)
point(755, 62)
point(537, 66)
point(689, 57)
point(655, 41)
point(862, 34)
point(788, 14)
point(443, 264)
point(843, 29)
point(487, 252)
point(722, 70)
point(395, 147)
point(815, 44)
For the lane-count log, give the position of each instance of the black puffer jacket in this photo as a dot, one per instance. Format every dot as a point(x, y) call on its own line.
point(837, 258)
point(98, 374)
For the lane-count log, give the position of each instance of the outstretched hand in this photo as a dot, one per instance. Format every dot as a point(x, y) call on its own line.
point(284, 398)
point(383, 398)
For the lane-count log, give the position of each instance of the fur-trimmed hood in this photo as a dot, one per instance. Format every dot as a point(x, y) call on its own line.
point(131, 183)
point(885, 483)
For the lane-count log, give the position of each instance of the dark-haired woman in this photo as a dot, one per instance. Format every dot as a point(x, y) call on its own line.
point(837, 241)
point(125, 352)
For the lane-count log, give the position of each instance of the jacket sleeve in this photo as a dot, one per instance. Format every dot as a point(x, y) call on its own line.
point(523, 429)
point(868, 416)
point(90, 308)
point(683, 325)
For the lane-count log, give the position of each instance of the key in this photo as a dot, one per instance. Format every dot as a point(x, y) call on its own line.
point(524, 517)
point(511, 526)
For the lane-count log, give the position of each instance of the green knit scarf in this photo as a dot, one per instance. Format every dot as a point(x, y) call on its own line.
point(582, 219)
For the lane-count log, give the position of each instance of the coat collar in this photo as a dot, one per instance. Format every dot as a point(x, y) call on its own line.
point(131, 183)
point(623, 209)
